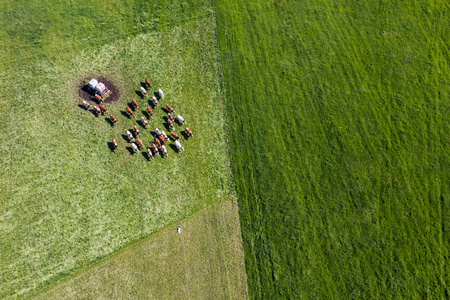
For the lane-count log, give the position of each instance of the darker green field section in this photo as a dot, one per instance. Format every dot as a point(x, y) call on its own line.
point(32, 27)
point(340, 136)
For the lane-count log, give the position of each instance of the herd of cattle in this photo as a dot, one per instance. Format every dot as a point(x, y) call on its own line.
point(160, 137)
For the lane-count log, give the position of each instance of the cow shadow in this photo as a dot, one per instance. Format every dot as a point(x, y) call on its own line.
point(108, 120)
point(174, 148)
point(94, 112)
point(165, 118)
point(144, 85)
point(125, 137)
point(111, 146)
point(156, 94)
point(152, 105)
point(153, 133)
point(144, 154)
point(140, 123)
point(166, 125)
point(185, 134)
point(130, 149)
point(125, 114)
point(165, 110)
point(82, 106)
point(146, 114)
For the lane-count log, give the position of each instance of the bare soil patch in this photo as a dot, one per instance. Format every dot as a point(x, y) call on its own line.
point(84, 93)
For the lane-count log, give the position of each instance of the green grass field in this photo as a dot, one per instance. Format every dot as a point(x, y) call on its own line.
point(338, 117)
point(66, 199)
point(340, 140)
point(203, 262)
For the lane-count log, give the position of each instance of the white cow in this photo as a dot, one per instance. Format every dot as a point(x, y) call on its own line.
point(164, 135)
point(178, 144)
point(164, 150)
point(155, 101)
point(86, 105)
point(130, 136)
point(144, 92)
point(181, 120)
point(161, 94)
point(135, 148)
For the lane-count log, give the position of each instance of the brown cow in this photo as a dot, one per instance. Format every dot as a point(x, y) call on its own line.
point(135, 104)
point(148, 83)
point(130, 112)
point(170, 124)
point(116, 146)
point(150, 112)
point(149, 153)
point(189, 132)
point(158, 142)
point(162, 140)
point(97, 110)
point(86, 104)
point(141, 144)
point(155, 148)
point(103, 108)
point(169, 108)
point(113, 119)
point(99, 98)
point(175, 136)
point(136, 130)
point(170, 117)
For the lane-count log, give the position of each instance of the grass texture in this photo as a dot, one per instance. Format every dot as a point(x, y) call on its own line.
point(66, 199)
point(338, 113)
point(32, 27)
point(204, 261)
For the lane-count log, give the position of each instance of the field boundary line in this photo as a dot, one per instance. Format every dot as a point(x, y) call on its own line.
point(185, 263)
point(230, 197)
point(228, 130)
point(104, 39)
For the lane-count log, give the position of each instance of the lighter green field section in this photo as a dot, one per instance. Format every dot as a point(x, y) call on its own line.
point(66, 199)
point(204, 261)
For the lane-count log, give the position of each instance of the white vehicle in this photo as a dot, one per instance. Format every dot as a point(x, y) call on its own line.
point(97, 87)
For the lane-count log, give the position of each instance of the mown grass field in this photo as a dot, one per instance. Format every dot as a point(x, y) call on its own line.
point(338, 113)
point(66, 199)
point(204, 261)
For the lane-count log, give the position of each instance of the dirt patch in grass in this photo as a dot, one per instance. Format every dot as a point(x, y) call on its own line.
point(84, 93)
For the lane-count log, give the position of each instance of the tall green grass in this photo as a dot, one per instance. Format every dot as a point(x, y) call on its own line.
point(32, 27)
point(340, 138)
point(66, 199)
